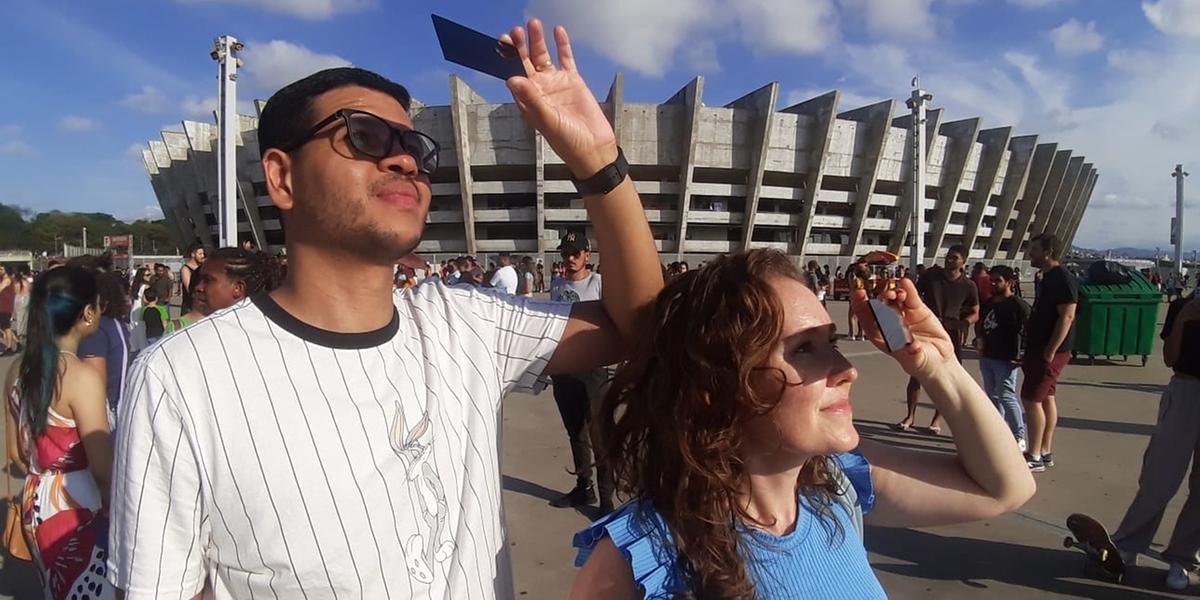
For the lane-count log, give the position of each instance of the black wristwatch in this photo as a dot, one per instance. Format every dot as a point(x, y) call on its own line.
point(606, 180)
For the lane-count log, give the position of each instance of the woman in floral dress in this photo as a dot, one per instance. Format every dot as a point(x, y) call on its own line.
point(57, 406)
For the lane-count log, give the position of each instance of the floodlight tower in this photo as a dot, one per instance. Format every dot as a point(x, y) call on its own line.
point(1178, 174)
point(225, 49)
point(916, 103)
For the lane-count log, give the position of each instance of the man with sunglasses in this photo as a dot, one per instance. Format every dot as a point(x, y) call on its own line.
point(323, 451)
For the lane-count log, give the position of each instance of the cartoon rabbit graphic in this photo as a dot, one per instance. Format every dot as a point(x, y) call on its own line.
point(414, 447)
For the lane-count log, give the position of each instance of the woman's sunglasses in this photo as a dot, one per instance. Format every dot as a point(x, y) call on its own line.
point(374, 137)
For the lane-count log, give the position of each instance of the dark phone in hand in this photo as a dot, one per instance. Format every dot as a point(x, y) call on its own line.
point(477, 51)
point(895, 336)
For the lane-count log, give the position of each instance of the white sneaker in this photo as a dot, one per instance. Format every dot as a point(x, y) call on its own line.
point(1178, 577)
point(1022, 445)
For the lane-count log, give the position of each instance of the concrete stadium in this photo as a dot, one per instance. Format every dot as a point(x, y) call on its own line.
point(815, 179)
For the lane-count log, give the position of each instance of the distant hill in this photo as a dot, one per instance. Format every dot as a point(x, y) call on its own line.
point(1123, 252)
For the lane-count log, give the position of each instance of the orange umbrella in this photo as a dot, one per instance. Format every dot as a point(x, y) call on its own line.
point(880, 257)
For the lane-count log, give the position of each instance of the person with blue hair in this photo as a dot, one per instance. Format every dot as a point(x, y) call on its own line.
point(57, 428)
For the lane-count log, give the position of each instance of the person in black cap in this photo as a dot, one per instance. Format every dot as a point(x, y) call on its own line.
point(579, 395)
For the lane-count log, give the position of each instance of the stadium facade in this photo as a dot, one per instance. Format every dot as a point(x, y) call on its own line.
point(815, 179)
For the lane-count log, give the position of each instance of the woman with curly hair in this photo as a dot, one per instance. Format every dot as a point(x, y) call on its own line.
point(731, 429)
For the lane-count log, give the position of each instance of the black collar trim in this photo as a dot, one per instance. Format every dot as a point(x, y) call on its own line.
point(324, 337)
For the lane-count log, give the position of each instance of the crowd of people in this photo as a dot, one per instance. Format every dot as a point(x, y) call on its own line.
point(315, 431)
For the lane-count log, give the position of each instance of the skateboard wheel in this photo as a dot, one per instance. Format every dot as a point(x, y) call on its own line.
point(1104, 555)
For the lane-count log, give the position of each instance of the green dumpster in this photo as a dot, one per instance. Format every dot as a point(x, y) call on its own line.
point(1117, 319)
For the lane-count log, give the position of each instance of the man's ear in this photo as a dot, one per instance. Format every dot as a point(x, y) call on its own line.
point(277, 168)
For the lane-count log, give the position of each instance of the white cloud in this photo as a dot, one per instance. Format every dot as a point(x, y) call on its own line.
point(1074, 38)
point(152, 212)
point(1133, 61)
point(205, 108)
point(317, 10)
point(1174, 17)
point(1037, 3)
point(135, 150)
point(277, 63)
point(149, 100)
point(895, 18)
point(1112, 201)
point(785, 26)
point(16, 148)
point(648, 36)
point(702, 57)
point(1052, 89)
point(77, 124)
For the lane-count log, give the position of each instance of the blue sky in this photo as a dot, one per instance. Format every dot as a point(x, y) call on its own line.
point(87, 82)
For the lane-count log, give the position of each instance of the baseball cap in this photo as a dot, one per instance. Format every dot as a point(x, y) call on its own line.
point(573, 243)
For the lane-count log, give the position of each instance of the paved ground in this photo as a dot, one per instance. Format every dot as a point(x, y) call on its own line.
point(1107, 415)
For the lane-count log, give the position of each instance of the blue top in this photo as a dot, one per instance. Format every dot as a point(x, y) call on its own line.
point(813, 561)
point(110, 342)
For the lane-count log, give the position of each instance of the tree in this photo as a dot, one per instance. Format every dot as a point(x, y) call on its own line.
point(46, 232)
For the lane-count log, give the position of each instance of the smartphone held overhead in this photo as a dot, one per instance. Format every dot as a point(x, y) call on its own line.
point(895, 334)
point(476, 50)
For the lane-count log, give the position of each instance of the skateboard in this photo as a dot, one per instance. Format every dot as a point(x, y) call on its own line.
point(1093, 539)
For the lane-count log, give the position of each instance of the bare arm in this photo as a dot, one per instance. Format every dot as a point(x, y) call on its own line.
point(988, 476)
point(1066, 316)
point(185, 275)
point(557, 102)
point(84, 393)
point(16, 451)
point(605, 576)
point(99, 364)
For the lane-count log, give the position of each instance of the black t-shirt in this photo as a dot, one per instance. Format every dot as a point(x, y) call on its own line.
point(1003, 326)
point(1188, 361)
point(154, 323)
point(950, 300)
point(1058, 287)
point(813, 281)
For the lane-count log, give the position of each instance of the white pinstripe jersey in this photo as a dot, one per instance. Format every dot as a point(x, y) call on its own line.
point(277, 460)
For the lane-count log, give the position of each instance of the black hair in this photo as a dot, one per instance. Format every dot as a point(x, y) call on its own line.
point(1003, 272)
point(1050, 243)
point(56, 303)
point(192, 247)
point(150, 295)
point(137, 281)
point(958, 249)
point(259, 271)
point(114, 300)
point(288, 114)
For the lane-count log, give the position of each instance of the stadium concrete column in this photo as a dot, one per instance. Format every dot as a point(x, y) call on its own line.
point(1016, 177)
point(1062, 220)
point(876, 118)
point(614, 104)
point(1039, 175)
point(960, 150)
point(902, 220)
point(822, 112)
point(461, 99)
point(182, 182)
point(539, 170)
point(689, 98)
point(1084, 202)
point(995, 146)
point(172, 211)
point(1054, 182)
point(1077, 201)
point(1062, 198)
point(762, 102)
point(249, 167)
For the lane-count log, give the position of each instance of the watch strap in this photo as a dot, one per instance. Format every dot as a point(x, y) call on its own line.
point(605, 180)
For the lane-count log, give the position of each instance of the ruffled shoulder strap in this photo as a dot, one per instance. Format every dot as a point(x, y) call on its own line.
point(854, 475)
point(643, 538)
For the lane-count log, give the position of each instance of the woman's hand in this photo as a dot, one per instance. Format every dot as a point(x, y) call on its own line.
point(931, 348)
point(557, 102)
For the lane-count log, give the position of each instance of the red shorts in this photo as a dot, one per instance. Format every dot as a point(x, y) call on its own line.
point(1041, 377)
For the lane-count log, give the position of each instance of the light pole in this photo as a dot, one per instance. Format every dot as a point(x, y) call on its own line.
point(916, 103)
point(85, 239)
point(1178, 174)
point(225, 49)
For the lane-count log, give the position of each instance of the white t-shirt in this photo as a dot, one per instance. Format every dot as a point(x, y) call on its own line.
point(278, 460)
point(505, 279)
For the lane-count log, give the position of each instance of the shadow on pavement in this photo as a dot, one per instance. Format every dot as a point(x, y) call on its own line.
point(529, 488)
point(915, 438)
point(975, 562)
point(1146, 388)
point(1106, 426)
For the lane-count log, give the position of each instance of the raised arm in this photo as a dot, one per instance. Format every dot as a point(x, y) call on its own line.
point(913, 488)
point(556, 101)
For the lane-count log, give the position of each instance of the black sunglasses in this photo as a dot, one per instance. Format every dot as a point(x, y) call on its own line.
point(376, 138)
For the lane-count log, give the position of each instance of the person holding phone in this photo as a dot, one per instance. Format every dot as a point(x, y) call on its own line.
point(343, 440)
point(751, 480)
